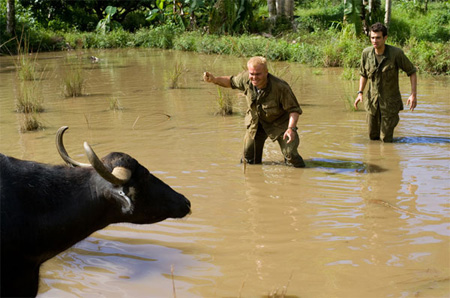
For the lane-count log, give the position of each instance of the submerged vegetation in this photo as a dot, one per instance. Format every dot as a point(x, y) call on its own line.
point(74, 81)
point(174, 75)
point(114, 104)
point(224, 102)
point(29, 100)
point(30, 122)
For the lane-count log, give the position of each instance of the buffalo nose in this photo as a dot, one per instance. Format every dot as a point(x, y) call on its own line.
point(188, 203)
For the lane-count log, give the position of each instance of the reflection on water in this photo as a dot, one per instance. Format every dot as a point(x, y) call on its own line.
point(364, 219)
point(341, 166)
point(422, 140)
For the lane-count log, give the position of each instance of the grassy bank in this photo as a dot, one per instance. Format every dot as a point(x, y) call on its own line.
point(319, 42)
point(330, 48)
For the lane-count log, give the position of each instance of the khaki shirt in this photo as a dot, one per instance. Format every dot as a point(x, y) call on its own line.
point(383, 79)
point(270, 106)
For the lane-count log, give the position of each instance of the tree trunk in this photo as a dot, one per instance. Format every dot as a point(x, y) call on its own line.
point(10, 17)
point(289, 9)
point(280, 8)
point(272, 6)
point(387, 16)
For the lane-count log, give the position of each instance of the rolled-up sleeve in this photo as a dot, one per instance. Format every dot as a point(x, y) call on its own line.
point(289, 101)
point(362, 66)
point(405, 64)
point(239, 81)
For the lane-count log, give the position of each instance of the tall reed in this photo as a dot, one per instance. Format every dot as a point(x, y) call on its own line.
point(25, 63)
point(175, 74)
point(224, 103)
point(30, 98)
point(74, 81)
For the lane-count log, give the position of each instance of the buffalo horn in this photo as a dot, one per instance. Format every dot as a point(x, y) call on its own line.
point(101, 169)
point(62, 151)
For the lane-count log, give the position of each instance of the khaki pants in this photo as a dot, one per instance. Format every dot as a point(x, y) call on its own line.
point(382, 127)
point(253, 149)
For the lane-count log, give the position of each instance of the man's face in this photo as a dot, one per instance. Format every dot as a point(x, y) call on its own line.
point(257, 75)
point(377, 39)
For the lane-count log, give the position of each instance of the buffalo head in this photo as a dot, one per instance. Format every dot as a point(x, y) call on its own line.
point(142, 197)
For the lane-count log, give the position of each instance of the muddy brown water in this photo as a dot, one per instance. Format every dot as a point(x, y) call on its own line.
point(364, 219)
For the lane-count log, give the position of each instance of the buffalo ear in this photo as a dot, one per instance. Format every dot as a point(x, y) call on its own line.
point(122, 173)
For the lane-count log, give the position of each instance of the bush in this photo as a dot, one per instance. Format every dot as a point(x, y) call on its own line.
point(319, 18)
point(187, 41)
point(409, 20)
point(135, 21)
point(430, 57)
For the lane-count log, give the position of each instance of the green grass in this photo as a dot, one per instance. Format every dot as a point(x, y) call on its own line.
point(321, 39)
point(74, 81)
point(173, 76)
point(30, 98)
point(224, 102)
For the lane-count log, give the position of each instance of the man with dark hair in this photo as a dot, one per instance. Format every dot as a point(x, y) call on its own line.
point(379, 66)
point(272, 111)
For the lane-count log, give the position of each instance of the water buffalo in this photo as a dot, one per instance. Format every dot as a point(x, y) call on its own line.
point(46, 209)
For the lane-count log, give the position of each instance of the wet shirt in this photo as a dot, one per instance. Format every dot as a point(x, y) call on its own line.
point(270, 106)
point(382, 78)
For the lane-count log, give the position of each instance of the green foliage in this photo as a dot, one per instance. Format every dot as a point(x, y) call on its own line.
point(280, 26)
point(319, 18)
point(434, 57)
point(108, 24)
point(231, 17)
point(187, 41)
point(321, 38)
point(352, 12)
point(159, 37)
point(135, 21)
point(115, 39)
point(411, 21)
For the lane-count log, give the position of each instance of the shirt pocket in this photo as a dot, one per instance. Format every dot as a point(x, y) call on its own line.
point(271, 109)
point(388, 71)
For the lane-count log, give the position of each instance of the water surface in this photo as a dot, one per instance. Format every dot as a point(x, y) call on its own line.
point(364, 219)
